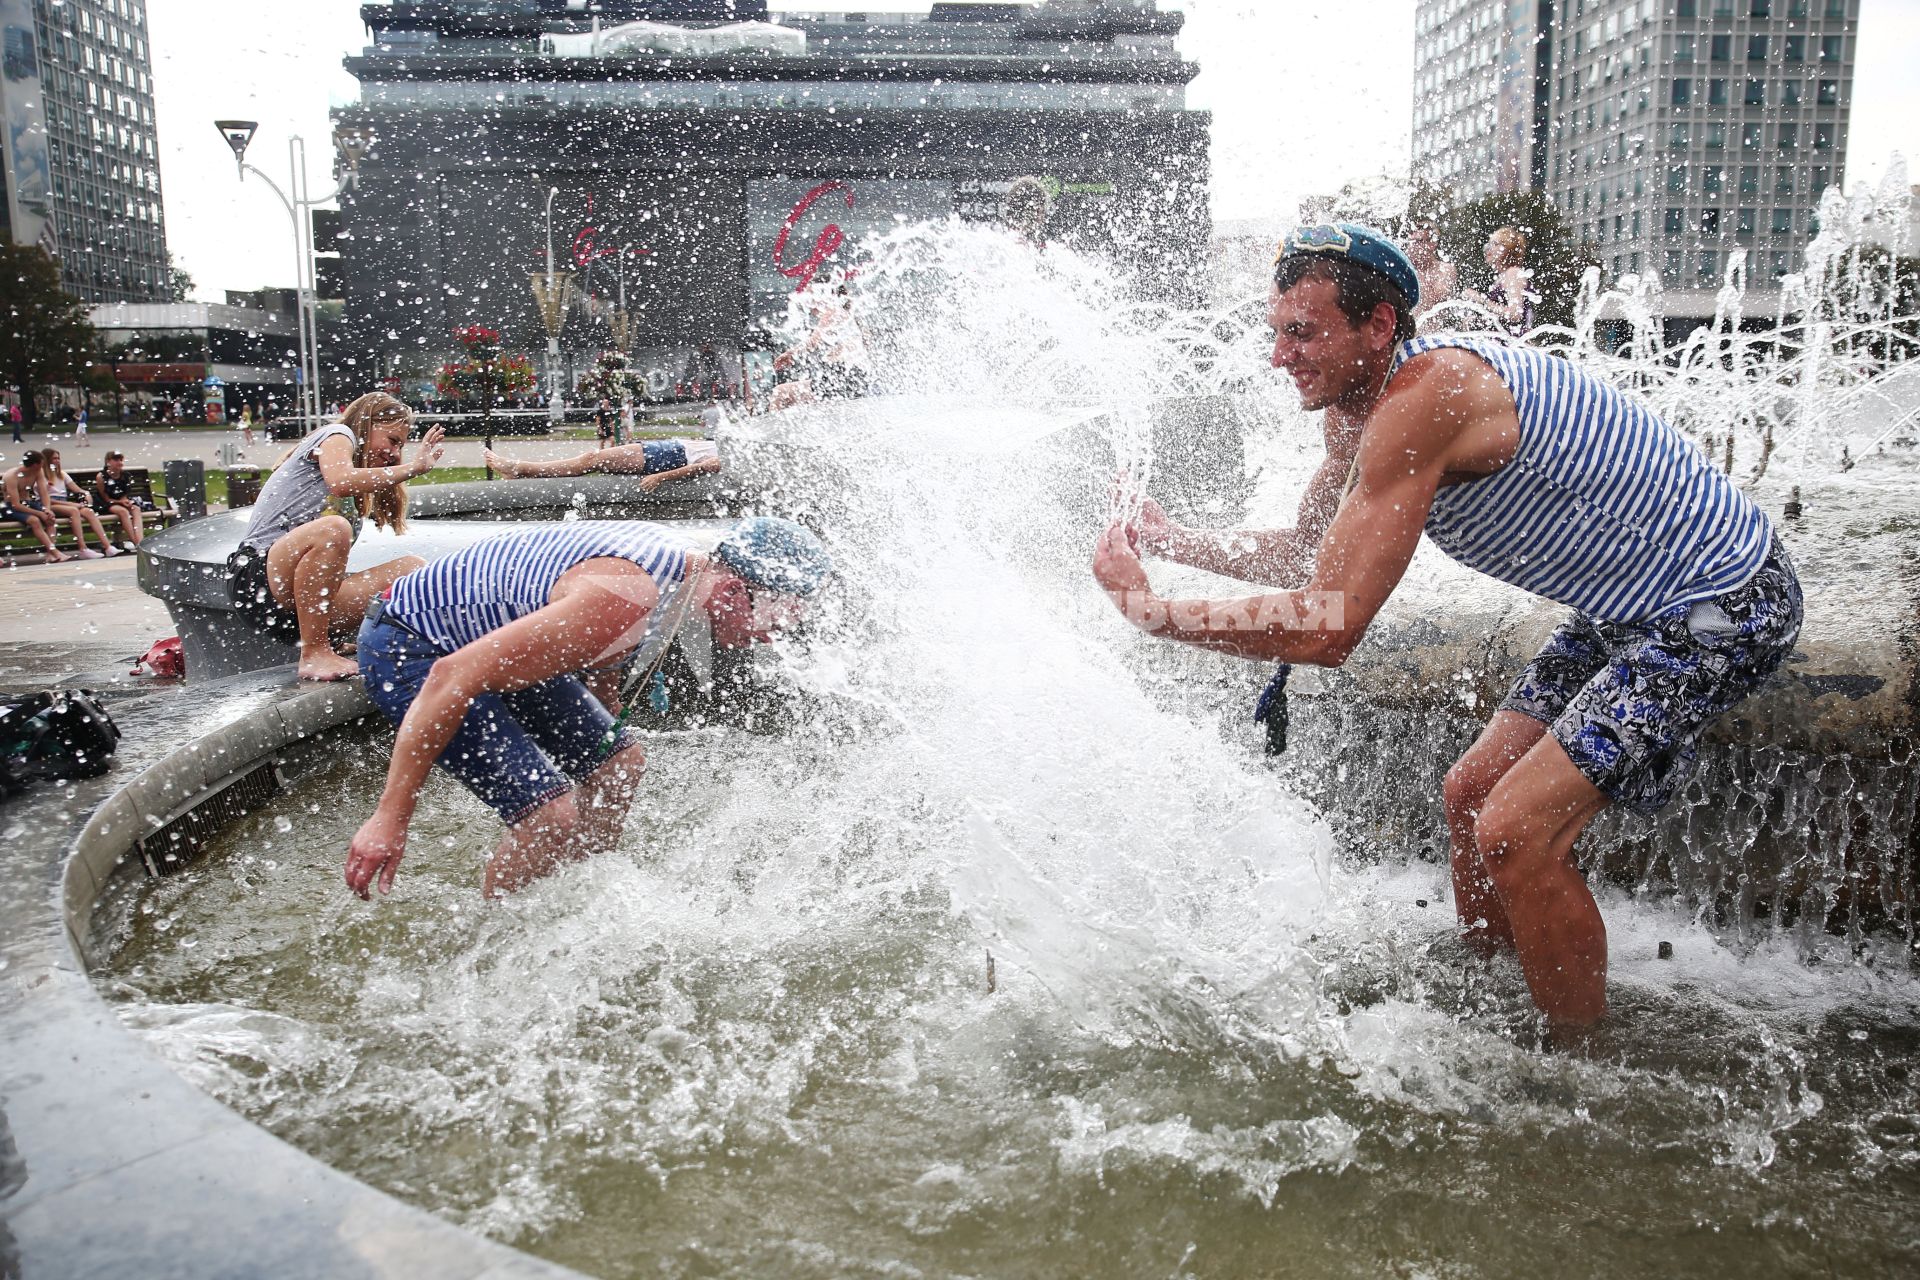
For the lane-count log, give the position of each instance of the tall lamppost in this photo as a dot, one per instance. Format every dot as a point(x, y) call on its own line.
point(551, 292)
point(349, 145)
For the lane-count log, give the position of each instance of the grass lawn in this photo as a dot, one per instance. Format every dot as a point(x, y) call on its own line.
point(217, 481)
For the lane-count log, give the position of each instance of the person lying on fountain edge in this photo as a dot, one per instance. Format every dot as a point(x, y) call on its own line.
point(655, 461)
point(479, 658)
point(1522, 466)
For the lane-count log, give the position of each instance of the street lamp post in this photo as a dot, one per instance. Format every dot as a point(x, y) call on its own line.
point(552, 292)
point(350, 145)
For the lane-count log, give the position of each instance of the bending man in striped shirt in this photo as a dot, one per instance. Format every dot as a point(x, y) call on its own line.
point(479, 658)
point(1520, 465)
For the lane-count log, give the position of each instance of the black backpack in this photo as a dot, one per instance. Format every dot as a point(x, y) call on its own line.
point(61, 733)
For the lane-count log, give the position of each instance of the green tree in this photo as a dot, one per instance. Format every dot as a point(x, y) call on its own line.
point(179, 285)
point(45, 336)
point(1557, 259)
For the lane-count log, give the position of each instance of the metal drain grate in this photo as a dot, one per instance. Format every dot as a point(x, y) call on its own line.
point(177, 843)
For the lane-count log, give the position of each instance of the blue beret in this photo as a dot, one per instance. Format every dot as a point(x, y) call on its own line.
point(1363, 245)
point(776, 554)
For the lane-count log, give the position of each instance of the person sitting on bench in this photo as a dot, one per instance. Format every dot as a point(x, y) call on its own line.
point(69, 502)
point(26, 501)
point(113, 493)
point(654, 461)
point(289, 575)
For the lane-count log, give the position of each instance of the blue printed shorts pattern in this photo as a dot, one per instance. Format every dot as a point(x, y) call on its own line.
point(516, 751)
point(663, 455)
point(1629, 700)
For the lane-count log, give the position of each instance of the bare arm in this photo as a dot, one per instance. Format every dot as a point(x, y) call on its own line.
point(706, 466)
point(1277, 557)
point(335, 460)
point(1441, 414)
point(595, 606)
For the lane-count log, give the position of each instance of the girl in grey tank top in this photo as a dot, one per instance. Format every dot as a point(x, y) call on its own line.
point(291, 539)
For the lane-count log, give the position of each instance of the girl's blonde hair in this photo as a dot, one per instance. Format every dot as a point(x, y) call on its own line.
point(1513, 246)
point(387, 508)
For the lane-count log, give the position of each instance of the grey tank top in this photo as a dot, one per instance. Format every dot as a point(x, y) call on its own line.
point(293, 494)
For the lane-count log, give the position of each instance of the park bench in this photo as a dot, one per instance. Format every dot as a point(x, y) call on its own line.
point(16, 541)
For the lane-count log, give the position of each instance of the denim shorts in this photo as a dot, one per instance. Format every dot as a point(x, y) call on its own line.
point(1629, 700)
point(516, 751)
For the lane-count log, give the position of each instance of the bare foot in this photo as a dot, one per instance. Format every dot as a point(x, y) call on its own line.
point(505, 466)
point(327, 666)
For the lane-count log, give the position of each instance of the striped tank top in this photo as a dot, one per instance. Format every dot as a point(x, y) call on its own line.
point(1604, 507)
point(481, 588)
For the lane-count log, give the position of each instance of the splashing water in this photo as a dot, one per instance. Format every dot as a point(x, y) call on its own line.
point(760, 1039)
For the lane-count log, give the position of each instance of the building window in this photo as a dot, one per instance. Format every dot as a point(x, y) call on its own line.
point(1675, 264)
point(1712, 178)
point(1823, 137)
point(1683, 48)
point(1789, 93)
point(1829, 95)
point(1709, 266)
point(1782, 222)
point(1677, 180)
point(1682, 91)
point(1676, 221)
point(1756, 48)
point(1677, 137)
point(1836, 8)
point(1796, 49)
point(1709, 222)
point(1750, 135)
point(1720, 48)
point(1819, 179)
point(1789, 137)
point(1830, 48)
point(1717, 92)
point(1749, 179)
point(1783, 180)
point(1716, 137)
point(1743, 224)
point(1760, 9)
point(1756, 93)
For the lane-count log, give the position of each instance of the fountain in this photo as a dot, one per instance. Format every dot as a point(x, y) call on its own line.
point(1010, 955)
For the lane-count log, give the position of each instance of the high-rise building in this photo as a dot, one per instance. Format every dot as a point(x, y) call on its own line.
point(692, 164)
point(82, 164)
point(1672, 133)
point(1478, 115)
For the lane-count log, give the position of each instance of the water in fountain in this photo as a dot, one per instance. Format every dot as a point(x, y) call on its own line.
point(765, 1036)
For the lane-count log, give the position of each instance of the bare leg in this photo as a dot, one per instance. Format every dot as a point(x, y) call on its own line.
point(133, 521)
point(1507, 737)
point(789, 394)
point(1525, 836)
point(626, 459)
point(81, 519)
point(41, 526)
point(357, 591)
point(305, 571)
point(533, 847)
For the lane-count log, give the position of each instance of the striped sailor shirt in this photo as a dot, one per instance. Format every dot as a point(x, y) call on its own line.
point(1605, 507)
point(483, 587)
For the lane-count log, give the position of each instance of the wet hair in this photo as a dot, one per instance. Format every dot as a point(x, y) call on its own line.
point(1513, 246)
point(388, 508)
point(33, 458)
point(1359, 288)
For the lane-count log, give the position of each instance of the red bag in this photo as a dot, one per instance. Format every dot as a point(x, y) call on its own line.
point(164, 660)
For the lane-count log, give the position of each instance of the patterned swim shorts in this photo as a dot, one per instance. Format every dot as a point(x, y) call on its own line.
point(1629, 700)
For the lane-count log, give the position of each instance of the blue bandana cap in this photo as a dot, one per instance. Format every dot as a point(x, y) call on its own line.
point(1364, 245)
point(776, 555)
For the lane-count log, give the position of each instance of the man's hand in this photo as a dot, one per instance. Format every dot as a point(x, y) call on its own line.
point(1155, 533)
point(376, 851)
point(649, 483)
point(1116, 565)
point(430, 451)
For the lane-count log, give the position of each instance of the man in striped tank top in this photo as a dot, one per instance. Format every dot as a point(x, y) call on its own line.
point(478, 658)
point(1520, 465)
